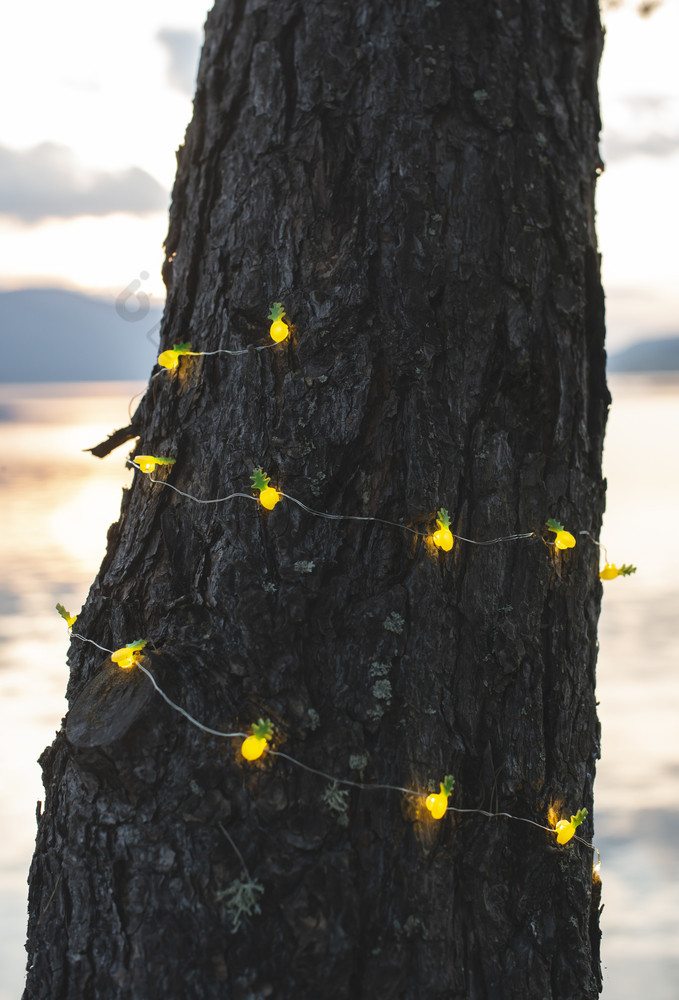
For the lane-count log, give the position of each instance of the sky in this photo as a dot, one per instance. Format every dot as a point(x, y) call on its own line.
point(100, 97)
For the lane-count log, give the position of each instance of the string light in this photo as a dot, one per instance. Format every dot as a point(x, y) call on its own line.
point(610, 571)
point(564, 539)
point(256, 743)
point(437, 804)
point(67, 616)
point(161, 482)
point(268, 496)
point(128, 656)
point(148, 463)
point(254, 746)
point(565, 828)
point(275, 495)
point(170, 359)
point(83, 638)
point(278, 329)
point(443, 538)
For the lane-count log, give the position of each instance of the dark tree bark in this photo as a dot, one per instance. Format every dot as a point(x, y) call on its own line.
point(414, 180)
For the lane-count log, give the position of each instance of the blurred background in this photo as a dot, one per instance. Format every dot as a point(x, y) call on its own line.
point(97, 100)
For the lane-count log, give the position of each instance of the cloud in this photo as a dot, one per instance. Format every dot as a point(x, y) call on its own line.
point(617, 146)
point(47, 181)
point(646, 102)
point(183, 48)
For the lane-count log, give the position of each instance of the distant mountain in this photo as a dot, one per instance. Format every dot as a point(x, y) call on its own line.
point(53, 335)
point(647, 356)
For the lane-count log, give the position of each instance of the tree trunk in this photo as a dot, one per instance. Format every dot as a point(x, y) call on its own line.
point(414, 181)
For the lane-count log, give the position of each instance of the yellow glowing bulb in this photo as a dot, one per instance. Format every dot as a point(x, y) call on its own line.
point(564, 539)
point(443, 537)
point(253, 747)
point(437, 803)
point(268, 496)
point(278, 329)
point(565, 828)
point(564, 831)
point(127, 656)
point(170, 359)
point(148, 463)
point(610, 571)
point(124, 658)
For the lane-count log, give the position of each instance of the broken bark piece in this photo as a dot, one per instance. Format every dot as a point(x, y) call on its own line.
point(114, 441)
point(107, 706)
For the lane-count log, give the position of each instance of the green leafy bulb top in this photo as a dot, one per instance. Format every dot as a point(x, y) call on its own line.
point(276, 312)
point(443, 518)
point(263, 729)
point(136, 645)
point(260, 481)
point(579, 818)
point(66, 615)
point(448, 784)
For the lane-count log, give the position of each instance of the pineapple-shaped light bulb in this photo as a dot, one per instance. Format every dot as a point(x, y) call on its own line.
point(254, 746)
point(565, 828)
point(148, 463)
point(127, 656)
point(67, 616)
point(443, 537)
point(437, 802)
point(268, 496)
point(170, 359)
point(610, 571)
point(278, 329)
point(564, 539)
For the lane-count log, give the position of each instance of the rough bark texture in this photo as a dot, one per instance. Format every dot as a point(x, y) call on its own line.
point(414, 180)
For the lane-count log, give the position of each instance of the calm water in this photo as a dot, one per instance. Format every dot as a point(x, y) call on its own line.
point(57, 503)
